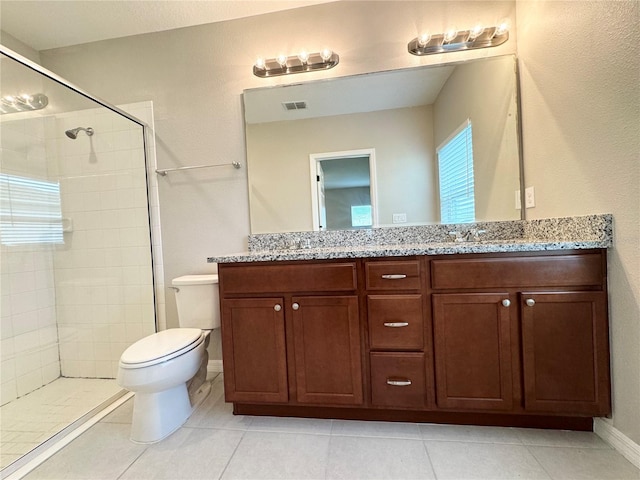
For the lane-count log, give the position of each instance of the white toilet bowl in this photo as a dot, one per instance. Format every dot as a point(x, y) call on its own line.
point(157, 368)
point(167, 370)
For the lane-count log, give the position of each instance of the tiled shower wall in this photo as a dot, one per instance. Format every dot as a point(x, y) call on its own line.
point(29, 347)
point(103, 279)
point(72, 309)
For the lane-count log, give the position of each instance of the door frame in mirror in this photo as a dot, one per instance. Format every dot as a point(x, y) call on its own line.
point(316, 158)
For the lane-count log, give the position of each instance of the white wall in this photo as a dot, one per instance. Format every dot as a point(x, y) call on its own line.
point(581, 109)
point(282, 202)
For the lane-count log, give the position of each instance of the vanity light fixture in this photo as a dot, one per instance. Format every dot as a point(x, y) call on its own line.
point(23, 103)
point(302, 62)
point(453, 40)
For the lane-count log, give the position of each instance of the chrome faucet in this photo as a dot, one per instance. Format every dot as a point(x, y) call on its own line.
point(471, 235)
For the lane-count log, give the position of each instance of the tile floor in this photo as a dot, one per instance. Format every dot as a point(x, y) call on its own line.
point(30, 420)
point(216, 444)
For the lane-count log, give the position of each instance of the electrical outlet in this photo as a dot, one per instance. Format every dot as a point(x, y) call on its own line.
point(529, 197)
point(399, 218)
point(518, 200)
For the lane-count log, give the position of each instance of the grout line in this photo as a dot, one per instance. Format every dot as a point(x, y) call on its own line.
point(424, 444)
point(232, 455)
point(536, 459)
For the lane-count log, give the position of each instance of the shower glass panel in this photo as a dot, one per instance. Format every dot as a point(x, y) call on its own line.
point(75, 254)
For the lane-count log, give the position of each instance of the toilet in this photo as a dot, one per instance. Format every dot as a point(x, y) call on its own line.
point(167, 370)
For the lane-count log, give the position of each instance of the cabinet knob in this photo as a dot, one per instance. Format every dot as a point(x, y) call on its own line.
point(295, 306)
point(398, 382)
point(277, 307)
point(530, 302)
point(396, 324)
point(506, 302)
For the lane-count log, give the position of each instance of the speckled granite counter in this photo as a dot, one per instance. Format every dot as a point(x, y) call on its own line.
point(585, 232)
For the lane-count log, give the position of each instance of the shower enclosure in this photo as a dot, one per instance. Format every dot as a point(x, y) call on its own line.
point(75, 251)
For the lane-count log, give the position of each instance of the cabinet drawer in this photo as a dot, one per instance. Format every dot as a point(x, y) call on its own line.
point(401, 275)
point(519, 272)
point(395, 322)
point(316, 277)
point(398, 380)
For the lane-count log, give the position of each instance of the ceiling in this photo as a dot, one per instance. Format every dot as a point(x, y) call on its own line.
point(46, 24)
point(347, 95)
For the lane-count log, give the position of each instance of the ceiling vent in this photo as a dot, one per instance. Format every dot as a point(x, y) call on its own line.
point(294, 105)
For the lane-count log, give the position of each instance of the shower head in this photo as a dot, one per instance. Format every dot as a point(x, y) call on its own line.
point(73, 133)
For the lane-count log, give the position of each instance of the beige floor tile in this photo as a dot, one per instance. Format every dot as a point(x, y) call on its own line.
point(268, 455)
point(560, 438)
point(491, 461)
point(378, 458)
point(584, 463)
point(469, 433)
point(375, 429)
point(102, 452)
point(188, 454)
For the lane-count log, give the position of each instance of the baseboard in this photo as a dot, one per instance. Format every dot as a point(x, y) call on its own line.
point(618, 440)
point(214, 366)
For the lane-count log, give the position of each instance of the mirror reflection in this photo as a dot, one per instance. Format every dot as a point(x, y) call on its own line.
point(440, 145)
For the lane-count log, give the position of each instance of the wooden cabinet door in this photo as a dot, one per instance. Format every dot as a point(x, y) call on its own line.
point(473, 351)
point(565, 352)
point(254, 351)
point(327, 350)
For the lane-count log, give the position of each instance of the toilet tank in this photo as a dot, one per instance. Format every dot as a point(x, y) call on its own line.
point(198, 301)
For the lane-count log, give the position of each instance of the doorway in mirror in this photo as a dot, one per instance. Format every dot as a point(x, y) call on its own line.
point(343, 190)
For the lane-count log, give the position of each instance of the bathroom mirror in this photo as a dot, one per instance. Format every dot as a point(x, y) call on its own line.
point(404, 117)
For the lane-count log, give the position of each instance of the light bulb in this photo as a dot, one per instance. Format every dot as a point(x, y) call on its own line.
point(476, 31)
point(450, 34)
point(303, 56)
point(424, 39)
point(260, 64)
point(503, 27)
point(282, 60)
point(326, 54)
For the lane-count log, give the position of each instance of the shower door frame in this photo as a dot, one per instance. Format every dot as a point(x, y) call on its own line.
point(48, 445)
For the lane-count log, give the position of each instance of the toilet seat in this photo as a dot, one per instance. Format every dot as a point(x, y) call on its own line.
point(160, 347)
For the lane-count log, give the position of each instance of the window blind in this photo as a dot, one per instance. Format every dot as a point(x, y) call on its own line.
point(455, 171)
point(30, 211)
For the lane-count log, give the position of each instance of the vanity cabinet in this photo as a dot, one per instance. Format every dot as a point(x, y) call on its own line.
point(497, 339)
point(255, 355)
point(398, 327)
point(525, 333)
point(565, 352)
point(291, 333)
point(473, 350)
point(326, 336)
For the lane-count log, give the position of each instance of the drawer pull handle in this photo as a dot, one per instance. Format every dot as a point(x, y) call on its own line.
point(396, 324)
point(394, 276)
point(530, 302)
point(398, 382)
point(277, 307)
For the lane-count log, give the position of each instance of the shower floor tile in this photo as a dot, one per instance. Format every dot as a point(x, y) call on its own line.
point(30, 420)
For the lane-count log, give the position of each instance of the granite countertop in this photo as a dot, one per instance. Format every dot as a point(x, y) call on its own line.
point(401, 250)
point(571, 233)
